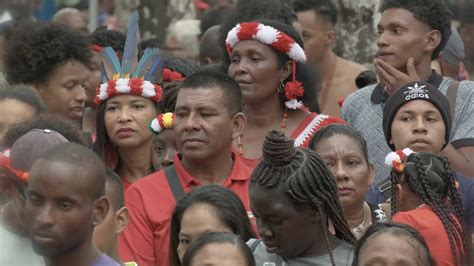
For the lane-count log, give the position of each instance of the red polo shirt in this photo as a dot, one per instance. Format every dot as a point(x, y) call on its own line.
point(151, 203)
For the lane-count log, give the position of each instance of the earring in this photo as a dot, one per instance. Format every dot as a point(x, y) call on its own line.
point(281, 87)
point(240, 146)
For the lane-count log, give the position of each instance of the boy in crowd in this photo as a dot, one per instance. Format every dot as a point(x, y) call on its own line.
point(65, 201)
point(411, 34)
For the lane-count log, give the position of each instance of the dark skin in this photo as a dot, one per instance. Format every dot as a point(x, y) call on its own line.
point(63, 211)
point(285, 230)
point(255, 67)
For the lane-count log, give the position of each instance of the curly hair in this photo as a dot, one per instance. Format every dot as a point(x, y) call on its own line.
point(46, 121)
point(35, 51)
point(113, 38)
point(306, 180)
point(432, 13)
point(430, 177)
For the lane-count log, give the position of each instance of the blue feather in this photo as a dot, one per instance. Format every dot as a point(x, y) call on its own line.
point(130, 51)
point(148, 56)
point(103, 74)
point(111, 58)
point(156, 71)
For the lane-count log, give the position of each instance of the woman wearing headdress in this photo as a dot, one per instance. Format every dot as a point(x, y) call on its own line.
point(268, 62)
point(424, 196)
point(128, 99)
point(293, 196)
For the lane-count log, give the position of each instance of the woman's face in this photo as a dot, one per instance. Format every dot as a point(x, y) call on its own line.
point(127, 118)
point(218, 254)
point(286, 231)
point(198, 219)
point(11, 112)
point(256, 69)
point(344, 157)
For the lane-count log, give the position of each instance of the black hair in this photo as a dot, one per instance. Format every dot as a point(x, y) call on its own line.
point(79, 156)
point(303, 177)
point(35, 51)
point(217, 238)
point(430, 177)
point(209, 45)
point(102, 142)
point(339, 129)
point(170, 93)
point(45, 121)
point(209, 79)
point(229, 209)
point(105, 37)
point(400, 230)
point(215, 16)
point(304, 73)
point(324, 8)
point(432, 13)
point(25, 94)
point(183, 66)
point(113, 180)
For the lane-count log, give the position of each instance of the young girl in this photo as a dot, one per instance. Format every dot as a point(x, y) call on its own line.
point(423, 195)
point(294, 198)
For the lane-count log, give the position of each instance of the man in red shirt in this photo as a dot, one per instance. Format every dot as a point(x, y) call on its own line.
point(207, 118)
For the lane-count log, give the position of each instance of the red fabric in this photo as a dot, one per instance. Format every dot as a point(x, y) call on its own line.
point(151, 202)
point(298, 131)
point(247, 30)
point(125, 183)
point(425, 220)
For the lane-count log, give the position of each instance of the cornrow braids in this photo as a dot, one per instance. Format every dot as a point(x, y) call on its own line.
point(304, 177)
point(431, 178)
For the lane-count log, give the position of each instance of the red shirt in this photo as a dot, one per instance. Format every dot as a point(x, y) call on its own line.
point(151, 203)
point(304, 133)
point(428, 224)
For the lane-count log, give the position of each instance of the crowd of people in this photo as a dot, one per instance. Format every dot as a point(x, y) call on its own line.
point(266, 148)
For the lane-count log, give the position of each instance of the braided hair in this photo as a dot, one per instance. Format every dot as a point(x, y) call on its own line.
point(306, 180)
point(430, 177)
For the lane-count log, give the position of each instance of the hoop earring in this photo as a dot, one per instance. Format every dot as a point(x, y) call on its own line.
point(281, 87)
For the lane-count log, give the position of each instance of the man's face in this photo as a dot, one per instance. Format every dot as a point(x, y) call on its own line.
point(59, 206)
point(418, 125)
point(203, 125)
point(401, 36)
point(315, 32)
point(64, 92)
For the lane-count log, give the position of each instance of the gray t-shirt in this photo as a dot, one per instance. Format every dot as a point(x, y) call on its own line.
point(343, 255)
point(363, 110)
point(17, 250)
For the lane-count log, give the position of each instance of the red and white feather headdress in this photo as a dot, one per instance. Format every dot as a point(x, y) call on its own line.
point(279, 41)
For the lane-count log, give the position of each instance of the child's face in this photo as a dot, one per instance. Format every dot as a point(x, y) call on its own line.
point(60, 207)
point(418, 125)
point(164, 149)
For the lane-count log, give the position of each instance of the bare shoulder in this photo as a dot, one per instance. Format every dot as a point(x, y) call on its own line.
point(351, 67)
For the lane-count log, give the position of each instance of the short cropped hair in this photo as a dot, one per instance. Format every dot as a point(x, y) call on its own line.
point(432, 13)
point(209, 79)
point(324, 8)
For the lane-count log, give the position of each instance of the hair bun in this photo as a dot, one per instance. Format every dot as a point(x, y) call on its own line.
point(277, 149)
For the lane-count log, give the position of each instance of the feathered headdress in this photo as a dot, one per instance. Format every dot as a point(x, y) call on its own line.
point(161, 122)
point(130, 77)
